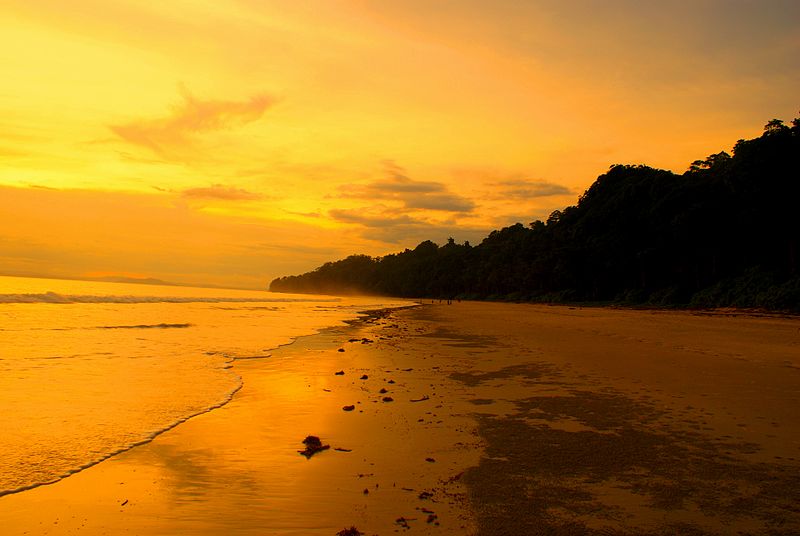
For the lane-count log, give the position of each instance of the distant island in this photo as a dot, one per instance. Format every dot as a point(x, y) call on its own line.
point(722, 234)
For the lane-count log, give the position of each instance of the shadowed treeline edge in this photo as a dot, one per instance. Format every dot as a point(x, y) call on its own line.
point(724, 233)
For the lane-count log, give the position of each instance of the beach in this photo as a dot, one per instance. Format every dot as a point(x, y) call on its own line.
point(473, 418)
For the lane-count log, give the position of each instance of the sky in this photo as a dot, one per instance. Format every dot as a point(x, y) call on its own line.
point(228, 142)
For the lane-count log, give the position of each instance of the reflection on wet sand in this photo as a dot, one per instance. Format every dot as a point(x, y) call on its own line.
point(504, 419)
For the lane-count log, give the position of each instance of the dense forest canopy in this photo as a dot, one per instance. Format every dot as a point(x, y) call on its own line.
point(724, 233)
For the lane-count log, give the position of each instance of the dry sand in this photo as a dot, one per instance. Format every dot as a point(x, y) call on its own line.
point(538, 420)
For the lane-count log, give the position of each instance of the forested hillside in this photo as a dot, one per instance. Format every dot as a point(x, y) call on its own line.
point(724, 233)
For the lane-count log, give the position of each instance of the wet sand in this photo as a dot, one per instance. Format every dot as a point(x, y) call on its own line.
point(503, 419)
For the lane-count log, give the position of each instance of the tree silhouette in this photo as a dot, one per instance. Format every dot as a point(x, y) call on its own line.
point(725, 233)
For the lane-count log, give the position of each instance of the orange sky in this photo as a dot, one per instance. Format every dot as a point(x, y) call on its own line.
point(229, 142)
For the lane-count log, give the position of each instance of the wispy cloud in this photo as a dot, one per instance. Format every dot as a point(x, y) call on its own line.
point(367, 219)
point(412, 194)
point(411, 235)
point(521, 188)
point(444, 202)
point(190, 118)
point(393, 226)
point(295, 248)
point(304, 214)
point(221, 192)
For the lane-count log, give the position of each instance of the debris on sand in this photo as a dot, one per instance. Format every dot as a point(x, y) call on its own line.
point(425, 495)
point(455, 478)
point(423, 399)
point(340, 449)
point(348, 408)
point(364, 377)
point(340, 373)
point(403, 522)
point(313, 445)
point(432, 518)
point(354, 340)
point(388, 399)
point(352, 531)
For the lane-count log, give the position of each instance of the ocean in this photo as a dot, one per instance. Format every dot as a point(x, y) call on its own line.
point(90, 369)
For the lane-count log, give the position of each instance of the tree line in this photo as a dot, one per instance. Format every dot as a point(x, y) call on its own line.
point(724, 233)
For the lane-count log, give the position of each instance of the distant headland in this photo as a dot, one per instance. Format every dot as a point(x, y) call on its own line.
point(722, 234)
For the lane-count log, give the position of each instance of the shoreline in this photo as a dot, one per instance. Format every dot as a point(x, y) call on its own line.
point(227, 398)
point(537, 420)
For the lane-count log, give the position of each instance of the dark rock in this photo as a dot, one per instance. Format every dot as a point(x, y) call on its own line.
point(340, 350)
point(349, 408)
point(383, 391)
point(352, 531)
point(388, 399)
point(430, 460)
point(312, 440)
point(340, 373)
point(313, 445)
point(364, 377)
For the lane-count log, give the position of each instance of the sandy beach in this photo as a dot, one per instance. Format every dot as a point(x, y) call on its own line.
point(473, 418)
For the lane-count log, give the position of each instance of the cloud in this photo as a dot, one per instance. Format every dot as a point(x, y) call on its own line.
point(384, 224)
point(531, 188)
point(399, 182)
point(295, 248)
point(221, 192)
point(397, 186)
point(444, 202)
point(190, 118)
point(414, 233)
point(359, 216)
point(304, 214)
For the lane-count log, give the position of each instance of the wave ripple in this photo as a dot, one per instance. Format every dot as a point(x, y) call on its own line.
point(56, 298)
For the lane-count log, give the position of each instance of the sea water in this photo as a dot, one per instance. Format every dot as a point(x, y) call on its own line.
point(90, 369)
